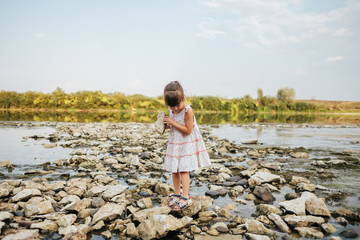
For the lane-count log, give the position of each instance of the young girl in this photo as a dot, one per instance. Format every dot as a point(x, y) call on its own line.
point(186, 149)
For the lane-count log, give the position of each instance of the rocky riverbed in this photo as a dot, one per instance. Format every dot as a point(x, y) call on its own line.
point(112, 185)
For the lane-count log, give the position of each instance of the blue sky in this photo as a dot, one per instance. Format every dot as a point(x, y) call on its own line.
point(225, 48)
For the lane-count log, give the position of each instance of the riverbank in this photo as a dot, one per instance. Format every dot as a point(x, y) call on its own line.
point(113, 184)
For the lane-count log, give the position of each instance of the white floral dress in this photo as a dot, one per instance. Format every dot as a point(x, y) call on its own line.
point(185, 152)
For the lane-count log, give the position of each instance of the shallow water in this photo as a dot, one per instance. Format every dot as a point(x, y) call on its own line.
point(27, 154)
point(314, 137)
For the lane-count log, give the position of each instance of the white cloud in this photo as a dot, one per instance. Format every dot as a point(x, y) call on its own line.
point(207, 30)
point(331, 60)
point(40, 35)
point(299, 71)
point(212, 4)
point(273, 22)
point(136, 84)
point(342, 32)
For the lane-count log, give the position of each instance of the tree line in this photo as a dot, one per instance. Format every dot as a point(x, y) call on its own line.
point(58, 99)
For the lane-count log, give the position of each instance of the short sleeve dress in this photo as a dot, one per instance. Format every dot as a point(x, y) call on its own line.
point(185, 152)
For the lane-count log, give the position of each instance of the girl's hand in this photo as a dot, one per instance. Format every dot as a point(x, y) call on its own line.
point(168, 120)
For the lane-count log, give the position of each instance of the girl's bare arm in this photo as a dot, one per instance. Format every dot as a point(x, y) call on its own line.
point(189, 122)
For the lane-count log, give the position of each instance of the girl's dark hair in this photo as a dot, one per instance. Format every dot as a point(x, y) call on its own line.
point(173, 94)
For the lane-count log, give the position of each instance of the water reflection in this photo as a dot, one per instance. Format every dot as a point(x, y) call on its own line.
point(148, 117)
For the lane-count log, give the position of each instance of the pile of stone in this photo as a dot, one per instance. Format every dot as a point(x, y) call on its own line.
point(93, 201)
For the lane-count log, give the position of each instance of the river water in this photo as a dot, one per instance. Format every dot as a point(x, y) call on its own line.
point(321, 141)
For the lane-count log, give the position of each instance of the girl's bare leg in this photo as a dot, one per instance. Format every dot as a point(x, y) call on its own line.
point(185, 182)
point(176, 181)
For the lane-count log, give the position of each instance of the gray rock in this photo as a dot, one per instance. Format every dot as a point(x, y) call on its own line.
point(290, 196)
point(265, 177)
point(49, 145)
point(157, 226)
point(96, 190)
point(113, 191)
point(303, 221)
point(256, 227)
point(306, 187)
point(347, 214)
point(26, 194)
point(251, 236)
point(46, 225)
point(335, 238)
point(163, 189)
point(328, 228)
point(6, 216)
point(296, 206)
point(302, 155)
point(279, 222)
point(131, 230)
point(264, 194)
point(159, 124)
point(349, 233)
point(265, 209)
point(225, 213)
point(2, 224)
point(342, 221)
point(146, 213)
point(145, 203)
point(108, 212)
point(23, 235)
point(38, 208)
point(4, 192)
point(313, 233)
point(250, 141)
point(221, 227)
point(97, 202)
point(314, 205)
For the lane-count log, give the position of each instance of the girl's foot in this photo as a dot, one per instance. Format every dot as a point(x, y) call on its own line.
point(174, 198)
point(182, 204)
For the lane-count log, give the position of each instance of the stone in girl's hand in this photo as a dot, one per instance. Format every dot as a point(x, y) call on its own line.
point(159, 124)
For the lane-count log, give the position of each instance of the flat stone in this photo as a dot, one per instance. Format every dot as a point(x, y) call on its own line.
point(4, 163)
point(113, 191)
point(26, 194)
point(23, 235)
point(146, 213)
point(279, 222)
point(265, 209)
point(296, 206)
point(313, 233)
point(46, 225)
point(131, 230)
point(302, 155)
point(328, 228)
point(295, 180)
point(6, 216)
point(38, 208)
point(265, 177)
point(306, 187)
point(303, 221)
point(314, 205)
point(347, 214)
point(251, 236)
point(256, 227)
point(108, 212)
point(49, 145)
point(349, 233)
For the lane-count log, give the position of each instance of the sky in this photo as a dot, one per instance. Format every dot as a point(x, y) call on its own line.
point(224, 48)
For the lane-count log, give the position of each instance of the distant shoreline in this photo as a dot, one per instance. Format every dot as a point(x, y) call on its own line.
point(153, 111)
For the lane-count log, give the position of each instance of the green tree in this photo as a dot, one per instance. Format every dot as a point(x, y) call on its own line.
point(260, 97)
point(286, 95)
